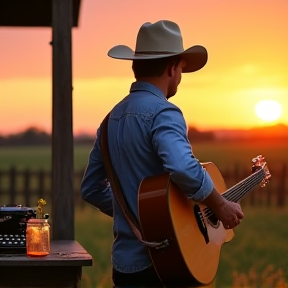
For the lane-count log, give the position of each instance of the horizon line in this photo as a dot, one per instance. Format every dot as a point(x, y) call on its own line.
point(86, 132)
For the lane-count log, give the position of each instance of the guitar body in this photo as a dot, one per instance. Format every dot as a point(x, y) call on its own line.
point(192, 256)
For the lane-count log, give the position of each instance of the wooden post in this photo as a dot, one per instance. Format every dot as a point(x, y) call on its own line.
point(62, 126)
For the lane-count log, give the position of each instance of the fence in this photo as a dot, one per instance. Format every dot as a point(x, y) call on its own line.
point(25, 187)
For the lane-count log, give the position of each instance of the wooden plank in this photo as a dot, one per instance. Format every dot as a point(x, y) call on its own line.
point(63, 253)
point(62, 126)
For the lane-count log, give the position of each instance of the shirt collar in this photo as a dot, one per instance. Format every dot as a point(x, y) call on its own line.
point(145, 86)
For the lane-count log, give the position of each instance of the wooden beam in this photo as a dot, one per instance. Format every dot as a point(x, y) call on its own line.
point(31, 13)
point(62, 126)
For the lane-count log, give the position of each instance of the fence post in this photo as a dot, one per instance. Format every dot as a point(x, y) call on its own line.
point(281, 186)
point(78, 198)
point(252, 198)
point(1, 175)
point(40, 183)
point(27, 181)
point(12, 185)
point(236, 172)
point(269, 198)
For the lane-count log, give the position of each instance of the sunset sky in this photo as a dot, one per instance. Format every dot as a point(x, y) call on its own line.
point(247, 43)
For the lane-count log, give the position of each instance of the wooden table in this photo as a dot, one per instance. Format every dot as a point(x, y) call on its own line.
point(61, 268)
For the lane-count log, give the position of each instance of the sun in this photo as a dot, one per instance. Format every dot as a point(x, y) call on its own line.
point(268, 110)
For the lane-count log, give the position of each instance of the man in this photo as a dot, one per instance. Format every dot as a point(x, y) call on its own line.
point(147, 135)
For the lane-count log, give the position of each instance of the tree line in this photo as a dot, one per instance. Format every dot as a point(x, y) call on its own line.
point(34, 137)
point(31, 136)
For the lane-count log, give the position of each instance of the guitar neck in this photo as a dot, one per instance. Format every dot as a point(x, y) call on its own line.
point(238, 191)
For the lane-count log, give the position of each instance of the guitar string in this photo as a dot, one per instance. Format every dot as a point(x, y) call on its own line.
point(236, 197)
point(208, 212)
point(259, 175)
point(244, 186)
point(242, 192)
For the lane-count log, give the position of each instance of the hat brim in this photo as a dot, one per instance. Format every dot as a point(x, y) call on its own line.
point(195, 56)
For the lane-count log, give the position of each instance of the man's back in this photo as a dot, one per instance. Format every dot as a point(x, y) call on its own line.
point(134, 156)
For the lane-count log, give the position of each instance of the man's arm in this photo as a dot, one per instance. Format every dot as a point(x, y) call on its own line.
point(95, 187)
point(169, 137)
point(173, 147)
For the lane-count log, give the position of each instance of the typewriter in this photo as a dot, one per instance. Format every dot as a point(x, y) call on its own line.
point(13, 219)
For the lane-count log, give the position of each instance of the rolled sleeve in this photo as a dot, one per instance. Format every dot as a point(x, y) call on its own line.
point(205, 189)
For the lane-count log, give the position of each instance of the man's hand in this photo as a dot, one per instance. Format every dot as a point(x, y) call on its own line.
point(229, 213)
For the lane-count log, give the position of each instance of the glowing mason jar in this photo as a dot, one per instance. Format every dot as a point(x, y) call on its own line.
point(38, 237)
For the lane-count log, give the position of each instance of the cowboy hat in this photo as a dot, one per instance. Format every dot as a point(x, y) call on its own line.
point(159, 40)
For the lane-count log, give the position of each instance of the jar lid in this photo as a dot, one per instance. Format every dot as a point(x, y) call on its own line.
point(34, 220)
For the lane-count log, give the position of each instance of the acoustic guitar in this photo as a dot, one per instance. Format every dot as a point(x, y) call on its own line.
point(189, 234)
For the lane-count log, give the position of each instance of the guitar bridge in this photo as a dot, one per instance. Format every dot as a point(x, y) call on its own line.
point(201, 223)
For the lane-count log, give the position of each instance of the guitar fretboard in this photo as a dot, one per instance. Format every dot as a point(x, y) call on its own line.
point(236, 192)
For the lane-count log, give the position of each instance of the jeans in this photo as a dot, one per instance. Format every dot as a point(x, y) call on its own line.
point(147, 278)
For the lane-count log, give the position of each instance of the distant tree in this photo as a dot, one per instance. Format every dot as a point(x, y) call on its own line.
point(30, 137)
point(85, 139)
point(195, 136)
point(2, 140)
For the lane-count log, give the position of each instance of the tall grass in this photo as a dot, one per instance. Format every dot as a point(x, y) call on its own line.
point(257, 254)
point(93, 230)
point(255, 258)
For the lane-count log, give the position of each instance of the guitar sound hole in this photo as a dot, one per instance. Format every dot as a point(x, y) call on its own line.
point(213, 221)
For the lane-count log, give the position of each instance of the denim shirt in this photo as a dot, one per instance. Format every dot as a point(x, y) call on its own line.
point(147, 135)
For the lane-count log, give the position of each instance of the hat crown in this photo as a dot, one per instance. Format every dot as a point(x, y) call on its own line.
point(162, 36)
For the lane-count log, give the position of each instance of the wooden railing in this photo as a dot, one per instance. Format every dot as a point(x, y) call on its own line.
point(25, 187)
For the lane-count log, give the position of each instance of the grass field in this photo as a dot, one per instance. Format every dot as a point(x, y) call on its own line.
point(38, 157)
point(255, 258)
point(223, 154)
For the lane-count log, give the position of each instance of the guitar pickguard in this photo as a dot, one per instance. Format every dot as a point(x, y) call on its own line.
point(201, 223)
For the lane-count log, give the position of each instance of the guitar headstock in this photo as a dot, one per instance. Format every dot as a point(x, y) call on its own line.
point(260, 163)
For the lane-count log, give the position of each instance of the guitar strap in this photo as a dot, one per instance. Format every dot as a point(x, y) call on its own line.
point(116, 187)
